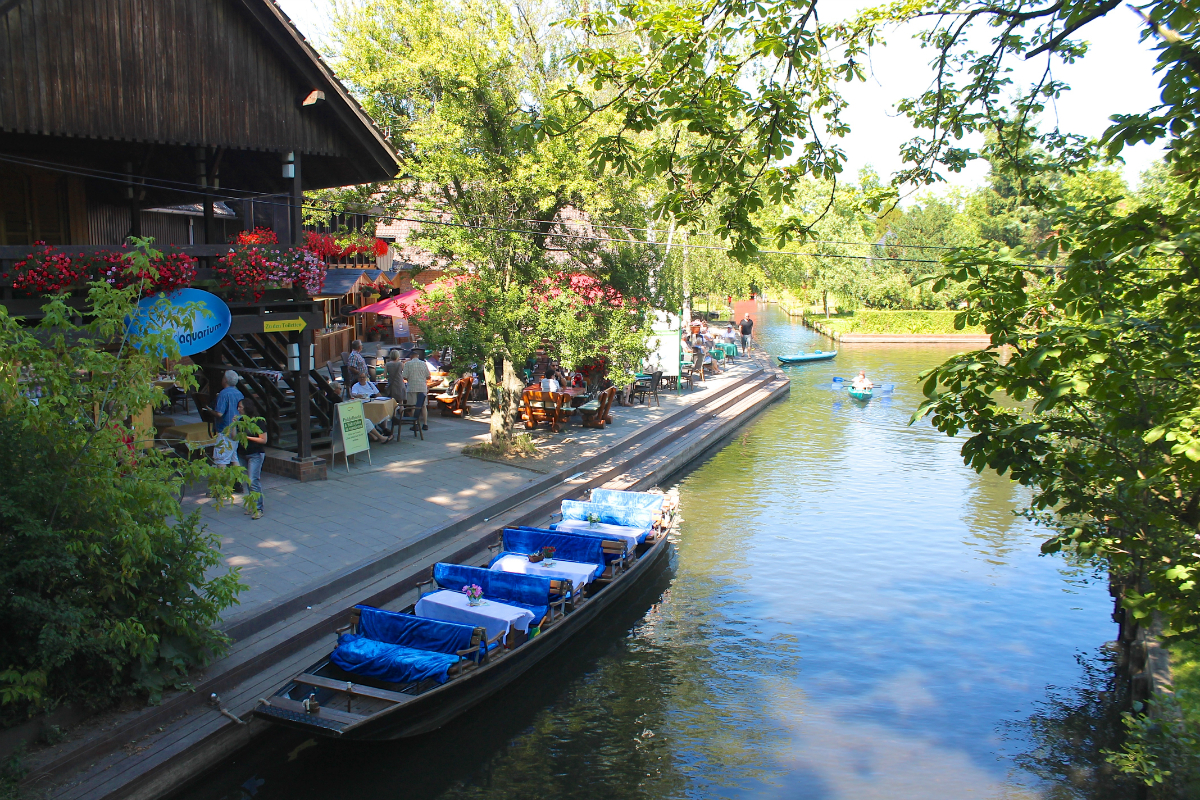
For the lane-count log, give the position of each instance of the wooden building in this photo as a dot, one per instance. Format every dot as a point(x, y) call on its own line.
point(183, 119)
point(135, 104)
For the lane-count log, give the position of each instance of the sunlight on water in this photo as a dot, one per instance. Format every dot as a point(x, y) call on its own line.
point(850, 613)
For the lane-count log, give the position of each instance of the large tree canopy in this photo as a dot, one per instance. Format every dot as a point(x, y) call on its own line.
point(455, 82)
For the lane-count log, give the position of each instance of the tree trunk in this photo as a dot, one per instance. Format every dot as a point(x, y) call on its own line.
point(504, 395)
point(825, 298)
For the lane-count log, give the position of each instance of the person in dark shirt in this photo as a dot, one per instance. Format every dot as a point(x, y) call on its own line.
point(746, 326)
point(254, 454)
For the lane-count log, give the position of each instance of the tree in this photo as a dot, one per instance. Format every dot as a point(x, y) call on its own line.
point(906, 260)
point(107, 590)
point(740, 100)
point(456, 84)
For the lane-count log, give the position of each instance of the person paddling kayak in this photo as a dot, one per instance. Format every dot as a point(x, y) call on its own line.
point(861, 382)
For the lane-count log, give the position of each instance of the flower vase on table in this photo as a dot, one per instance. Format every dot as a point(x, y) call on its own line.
point(547, 556)
point(474, 593)
point(592, 520)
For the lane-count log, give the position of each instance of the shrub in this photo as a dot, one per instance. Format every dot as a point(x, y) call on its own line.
point(107, 590)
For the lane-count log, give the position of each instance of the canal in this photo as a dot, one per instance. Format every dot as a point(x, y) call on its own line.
point(850, 612)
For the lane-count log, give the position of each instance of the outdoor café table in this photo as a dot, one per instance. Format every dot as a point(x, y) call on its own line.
point(578, 395)
point(379, 410)
point(493, 617)
point(578, 573)
point(628, 535)
point(729, 347)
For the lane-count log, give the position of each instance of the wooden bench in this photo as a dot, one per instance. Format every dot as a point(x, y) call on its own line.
point(596, 412)
point(454, 404)
point(552, 408)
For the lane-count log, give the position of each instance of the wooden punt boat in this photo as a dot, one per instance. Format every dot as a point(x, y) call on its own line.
point(804, 358)
point(357, 708)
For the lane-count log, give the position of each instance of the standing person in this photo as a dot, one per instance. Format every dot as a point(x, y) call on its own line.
point(395, 376)
point(416, 375)
point(225, 453)
point(746, 326)
point(355, 361)
point(255, 453)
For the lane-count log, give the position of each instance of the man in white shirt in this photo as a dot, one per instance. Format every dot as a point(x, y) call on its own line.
point(363, 389)
point(416, 379)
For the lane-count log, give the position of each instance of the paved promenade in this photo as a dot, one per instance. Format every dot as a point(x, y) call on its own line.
point(311, 529)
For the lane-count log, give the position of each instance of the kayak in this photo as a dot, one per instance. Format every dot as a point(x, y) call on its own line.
point(860, 394)
point(803, 358)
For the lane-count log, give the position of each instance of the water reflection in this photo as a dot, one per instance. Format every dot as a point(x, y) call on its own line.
point(851, 613)
point(1070, 731)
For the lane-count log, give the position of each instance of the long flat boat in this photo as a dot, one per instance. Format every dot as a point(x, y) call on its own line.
point(358, 708)
point(804, 358)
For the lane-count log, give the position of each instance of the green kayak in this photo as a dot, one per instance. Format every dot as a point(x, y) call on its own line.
point(860, 394)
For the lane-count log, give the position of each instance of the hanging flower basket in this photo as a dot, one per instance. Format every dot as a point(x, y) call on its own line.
point(248, 273)
point(48, 270)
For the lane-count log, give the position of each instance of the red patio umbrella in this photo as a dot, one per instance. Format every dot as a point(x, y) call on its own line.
point(390, 307)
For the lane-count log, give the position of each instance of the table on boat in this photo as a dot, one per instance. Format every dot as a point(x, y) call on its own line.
point(631, 536)
point(577, 572)
point(493, 617)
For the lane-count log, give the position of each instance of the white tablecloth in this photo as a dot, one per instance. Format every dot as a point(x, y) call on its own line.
point(493, 617)
point(578, 573)
point(628, 535)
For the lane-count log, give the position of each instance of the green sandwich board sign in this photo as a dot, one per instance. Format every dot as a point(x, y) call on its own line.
point(352, 429)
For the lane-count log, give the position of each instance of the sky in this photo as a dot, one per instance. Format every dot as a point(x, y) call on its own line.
point(1116, 77)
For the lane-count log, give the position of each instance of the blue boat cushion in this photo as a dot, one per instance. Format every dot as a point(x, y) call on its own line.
point(525, 591)
point(412, 631)
point(583, 549)
point(619, 499)
point(396, 663)
point(593, 535)
point(401, 648)
point(610, 515)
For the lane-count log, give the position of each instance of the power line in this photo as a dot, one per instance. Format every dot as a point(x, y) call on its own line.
point(181, 187)
point(192, 189)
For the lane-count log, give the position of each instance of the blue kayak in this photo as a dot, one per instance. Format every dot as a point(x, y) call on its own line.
point(804, 358)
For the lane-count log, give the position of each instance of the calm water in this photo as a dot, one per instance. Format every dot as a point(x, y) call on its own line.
point(849, 613)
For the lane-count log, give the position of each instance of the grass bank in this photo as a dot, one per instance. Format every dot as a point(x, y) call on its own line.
point(871, 321)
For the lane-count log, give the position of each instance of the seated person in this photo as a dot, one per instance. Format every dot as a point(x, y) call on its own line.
point(363, 388)
point(378, 433)
point(551, 384)
point(729, 335)
point(861, 382)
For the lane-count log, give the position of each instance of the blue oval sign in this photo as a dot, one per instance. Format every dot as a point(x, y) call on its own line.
point(208, 323)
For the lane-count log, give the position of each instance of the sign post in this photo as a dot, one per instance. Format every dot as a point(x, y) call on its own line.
point(283, 325)
point(352, 430)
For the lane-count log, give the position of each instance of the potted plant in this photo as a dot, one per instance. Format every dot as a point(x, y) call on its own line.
point(593, 518)
point(474, 593)
point(548, 556)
